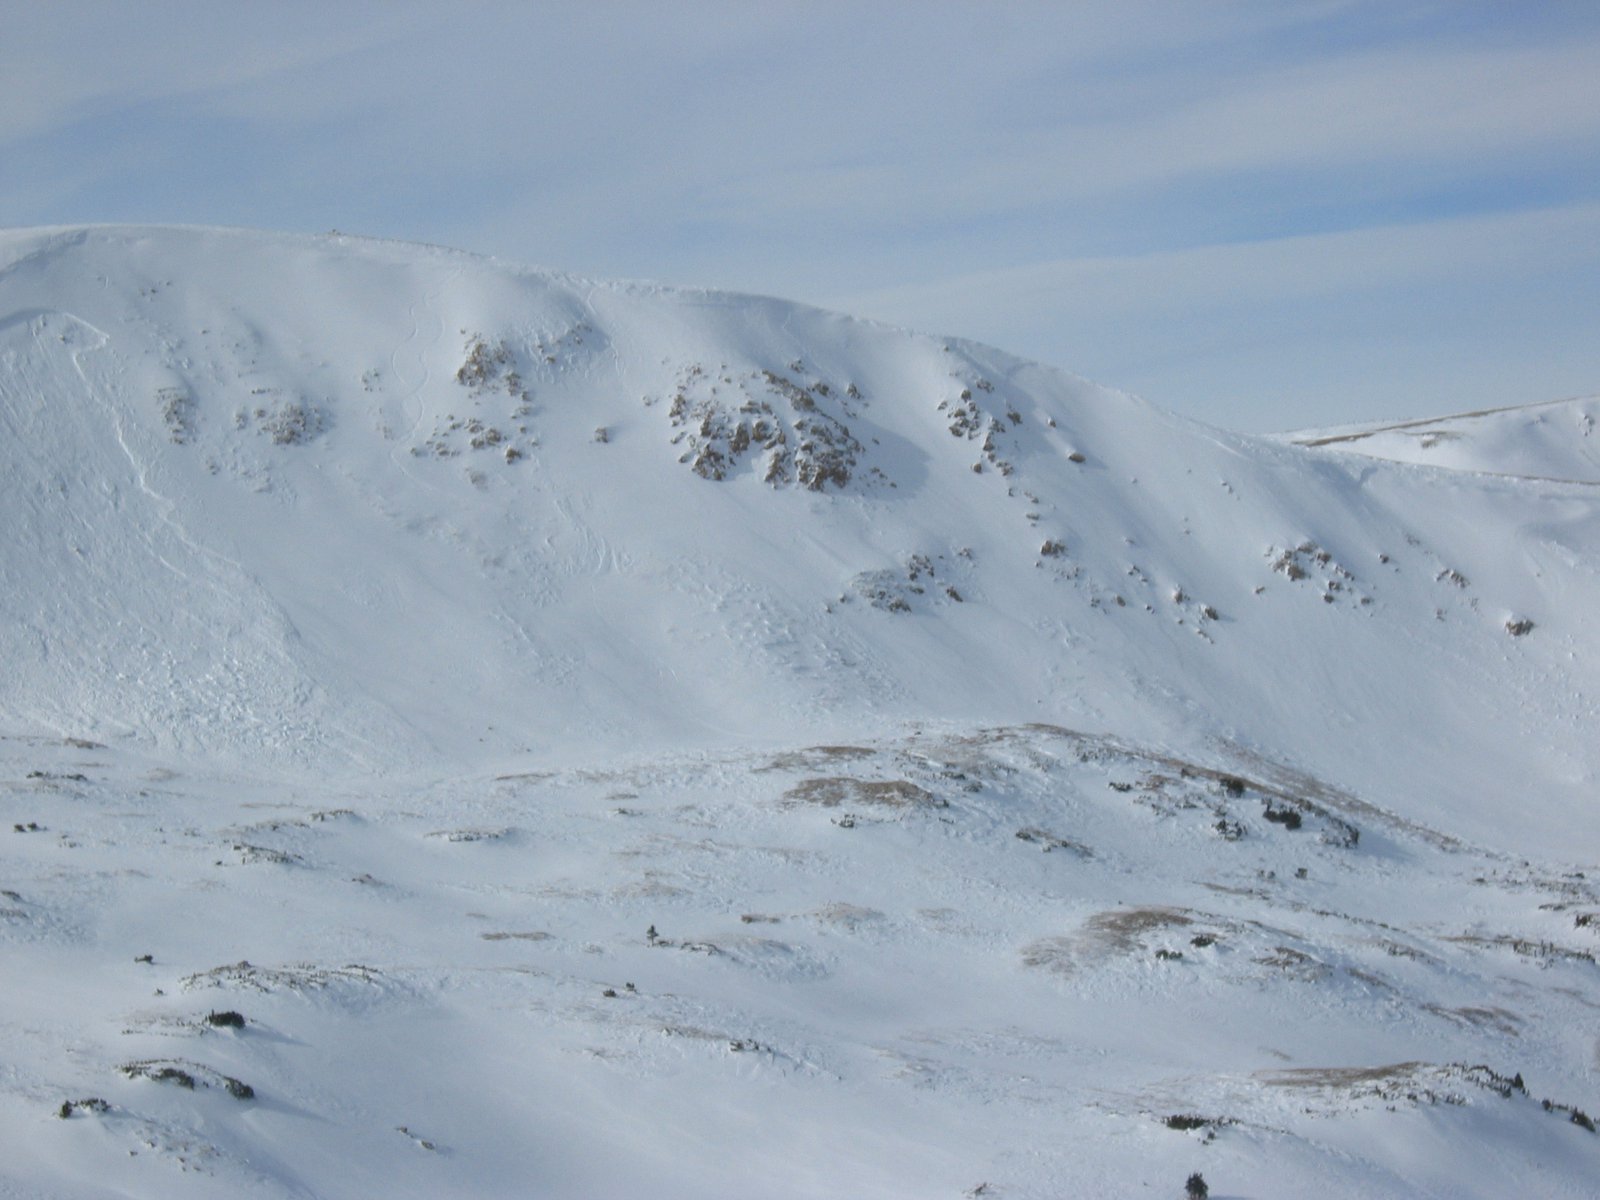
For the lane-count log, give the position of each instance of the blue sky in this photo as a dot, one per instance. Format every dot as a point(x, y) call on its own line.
point(1264, 215)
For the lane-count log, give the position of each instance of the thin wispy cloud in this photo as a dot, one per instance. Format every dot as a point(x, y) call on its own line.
point(1288, 322)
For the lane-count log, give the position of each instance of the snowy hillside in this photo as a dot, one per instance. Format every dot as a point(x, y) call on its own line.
point(608, 739)
point(1555, 440)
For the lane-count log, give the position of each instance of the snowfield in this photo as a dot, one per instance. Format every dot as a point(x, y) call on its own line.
point(473, 731)
point(1553, 441)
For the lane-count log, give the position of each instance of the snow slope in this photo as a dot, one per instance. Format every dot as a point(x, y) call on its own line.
point(1553, 440)
point(393, 636)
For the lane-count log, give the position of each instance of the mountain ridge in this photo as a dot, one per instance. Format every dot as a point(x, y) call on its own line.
point(385, 473)
point(470, 731)
point(1551, 436)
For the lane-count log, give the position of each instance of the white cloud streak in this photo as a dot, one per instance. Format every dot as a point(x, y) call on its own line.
point(1395, 319)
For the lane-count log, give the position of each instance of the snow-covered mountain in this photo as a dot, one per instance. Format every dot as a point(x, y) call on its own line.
point(393, 637)
point(1554, 440)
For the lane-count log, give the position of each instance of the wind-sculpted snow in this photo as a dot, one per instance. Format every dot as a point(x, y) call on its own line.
point(1023, 957)
point(529, 701)
point(1554, 440)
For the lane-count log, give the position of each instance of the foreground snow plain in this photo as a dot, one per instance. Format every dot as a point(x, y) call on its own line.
point(606, 739)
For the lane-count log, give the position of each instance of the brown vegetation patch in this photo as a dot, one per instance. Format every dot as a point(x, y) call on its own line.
point(833, 790)
point(1495, 1018)
point(532, 935)
point(1116, 931)
point(813, 757)
point(1339, 1077)
point(1121, 929)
